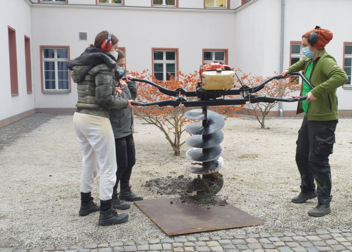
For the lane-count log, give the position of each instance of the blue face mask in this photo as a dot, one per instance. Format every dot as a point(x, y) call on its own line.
point(308, 53)
point(121, 71)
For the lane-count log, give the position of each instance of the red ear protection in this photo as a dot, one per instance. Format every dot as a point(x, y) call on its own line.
point(107, 44)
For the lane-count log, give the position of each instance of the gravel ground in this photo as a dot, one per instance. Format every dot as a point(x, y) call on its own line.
point(40, 181)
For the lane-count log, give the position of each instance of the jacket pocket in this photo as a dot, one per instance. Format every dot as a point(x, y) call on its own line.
point(329, 102)
point(323, 145)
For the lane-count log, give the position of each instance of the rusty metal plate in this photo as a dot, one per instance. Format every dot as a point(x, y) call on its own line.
point(184, 218)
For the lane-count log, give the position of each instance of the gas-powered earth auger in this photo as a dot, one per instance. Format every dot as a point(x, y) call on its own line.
point(217, 81)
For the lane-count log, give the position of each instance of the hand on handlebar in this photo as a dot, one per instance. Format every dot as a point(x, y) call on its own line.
point(129, 104)
point(285, 74)
point(122, 83)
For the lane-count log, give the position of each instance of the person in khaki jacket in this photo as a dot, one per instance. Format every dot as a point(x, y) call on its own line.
point(316, 136)
point(93, 71)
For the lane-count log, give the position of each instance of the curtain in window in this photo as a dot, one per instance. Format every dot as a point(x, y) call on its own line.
point(221, 3)
point(209, 3)
point(157, 1)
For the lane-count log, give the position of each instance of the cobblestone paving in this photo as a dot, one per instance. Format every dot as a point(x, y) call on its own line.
point(11, 132)
point(320, 240)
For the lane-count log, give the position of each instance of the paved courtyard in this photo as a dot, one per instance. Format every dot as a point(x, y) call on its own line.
point(18, 232)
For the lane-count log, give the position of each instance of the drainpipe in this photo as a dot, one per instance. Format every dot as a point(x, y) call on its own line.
point(282, 47)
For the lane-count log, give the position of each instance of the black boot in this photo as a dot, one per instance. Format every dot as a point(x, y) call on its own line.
point(320, 210)
point(303, 197)
point(87, 205)
point(127, 195)
point(118, 204)
point(108, 216)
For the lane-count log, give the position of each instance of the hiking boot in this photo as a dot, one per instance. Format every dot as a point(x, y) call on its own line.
point(319, 210)
point(110, 217)
point(303, 197)
point(118, 204)
point(127, 195)
point(88, 207)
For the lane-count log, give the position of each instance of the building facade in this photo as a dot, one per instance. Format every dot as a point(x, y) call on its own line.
point(260, 37)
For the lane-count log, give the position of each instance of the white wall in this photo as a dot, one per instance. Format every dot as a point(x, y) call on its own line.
point(9, 16)
point(138, 29)
point(191, 4)
point(144, 3)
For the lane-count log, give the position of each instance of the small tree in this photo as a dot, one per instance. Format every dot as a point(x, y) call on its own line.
point(276, 88)
point(170, 120)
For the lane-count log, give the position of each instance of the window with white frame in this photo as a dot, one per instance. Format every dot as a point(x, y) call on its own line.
point(296, 53)
point(215, 3)
point(348, 62)
point(164, 2)
point(110, 1)
point(55, 69)
point(211, 56)
point(164, 64)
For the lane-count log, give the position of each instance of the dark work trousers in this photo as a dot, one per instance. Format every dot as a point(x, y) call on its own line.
point(126, 158)
point(314, 145)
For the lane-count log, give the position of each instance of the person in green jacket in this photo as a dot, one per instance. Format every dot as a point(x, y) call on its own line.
point(316, 136)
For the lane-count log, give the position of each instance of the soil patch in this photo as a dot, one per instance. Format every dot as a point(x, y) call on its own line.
point(178, 186)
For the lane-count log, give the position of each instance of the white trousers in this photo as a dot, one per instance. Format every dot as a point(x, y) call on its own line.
point(97, 141)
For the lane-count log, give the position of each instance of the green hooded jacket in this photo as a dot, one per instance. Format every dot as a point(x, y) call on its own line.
point(326, 76)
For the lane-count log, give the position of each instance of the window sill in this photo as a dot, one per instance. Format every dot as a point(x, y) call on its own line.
point(216, 8)
point(347, 86)
point(14, 94)
point(113, 4)
point(56, 91)
point(29, 92)
point(163, 6)
point(52, 2)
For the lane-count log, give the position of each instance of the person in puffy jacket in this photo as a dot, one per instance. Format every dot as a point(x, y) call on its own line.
point(122, 125)
point(316, 136)
point(93, 71)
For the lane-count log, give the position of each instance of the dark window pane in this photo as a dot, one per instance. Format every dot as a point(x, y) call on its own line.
point(49, 75)
point(349, 80)
point(62, 75)
point(103, 1)
point(159, 76)
point(63, 84)
point(158, 55)
point(348, 62)
point(170, 2)
point(48, 53)
point(158, 67)
point(49, 84)
point(208, 55)
point(168, 75)
point(170, 68)
point(348, 50)
point(348, 70)
point(157, 1)
point(220, 56)
point(116, 1)
point(62, 53)
point(294, 60)
point(49, 66)
point(170, 55)
point(62, 65)
point(296, 48)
